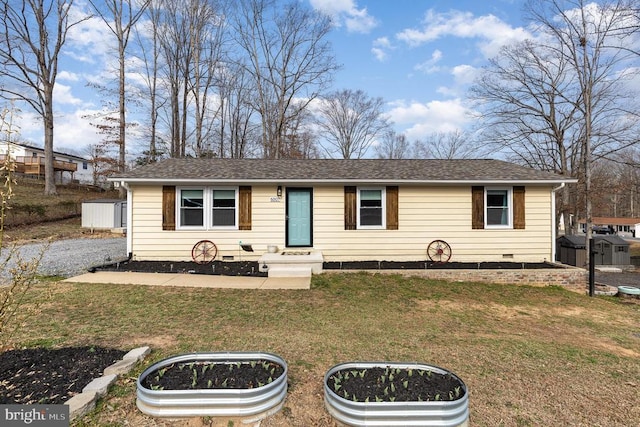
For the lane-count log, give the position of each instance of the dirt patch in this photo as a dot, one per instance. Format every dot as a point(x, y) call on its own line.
point(388, 384)
point(213, 375)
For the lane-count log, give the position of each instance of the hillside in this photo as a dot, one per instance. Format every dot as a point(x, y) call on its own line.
point(33, 216)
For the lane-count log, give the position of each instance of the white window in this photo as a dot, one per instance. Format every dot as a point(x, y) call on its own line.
point(207, 208)
point(224, 208)
point(498, 208)
point(191, 210)
point(371, 208)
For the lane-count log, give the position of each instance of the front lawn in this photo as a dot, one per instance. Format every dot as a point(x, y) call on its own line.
point(529, 356)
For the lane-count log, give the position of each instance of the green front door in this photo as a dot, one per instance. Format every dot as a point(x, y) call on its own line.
point(299, 217)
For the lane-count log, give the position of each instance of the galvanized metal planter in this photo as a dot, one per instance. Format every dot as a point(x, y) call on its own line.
point(431, 413)
point(251, 404)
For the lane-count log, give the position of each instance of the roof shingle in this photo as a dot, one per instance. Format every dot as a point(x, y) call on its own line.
point(317, 170)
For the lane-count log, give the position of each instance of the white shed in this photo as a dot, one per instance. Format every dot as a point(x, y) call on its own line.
point(104, 214)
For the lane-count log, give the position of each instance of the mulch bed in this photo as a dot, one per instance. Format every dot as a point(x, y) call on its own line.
point(224, 268)
point(252, 268)
point(51, 376)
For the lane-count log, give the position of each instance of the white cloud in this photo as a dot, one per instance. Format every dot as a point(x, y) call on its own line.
point(380, 54)
point(62, 95)
point(422, 119)
point(429, 66)
point(346, 12)
point(74, 131)
point(380, 47)
point(68, 76)
point(89, 41)
point(491, 32)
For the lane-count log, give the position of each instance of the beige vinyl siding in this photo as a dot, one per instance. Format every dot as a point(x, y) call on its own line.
point(425, 214)
point(150, 242)
point(430, 213)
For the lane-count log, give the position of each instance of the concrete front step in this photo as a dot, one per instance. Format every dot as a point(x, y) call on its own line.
point(292, 263)
point(287, 270)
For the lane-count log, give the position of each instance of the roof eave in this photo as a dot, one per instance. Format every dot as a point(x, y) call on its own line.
point(342, 181)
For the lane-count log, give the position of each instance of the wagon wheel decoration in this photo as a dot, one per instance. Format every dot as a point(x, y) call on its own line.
point(204, 252)
point(439, 251)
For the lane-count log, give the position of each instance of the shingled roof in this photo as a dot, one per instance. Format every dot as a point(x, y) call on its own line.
point(332, 170)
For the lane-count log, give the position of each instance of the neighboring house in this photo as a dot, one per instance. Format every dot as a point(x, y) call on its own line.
point(30, 161)
point(486, 210)
point(624, 227)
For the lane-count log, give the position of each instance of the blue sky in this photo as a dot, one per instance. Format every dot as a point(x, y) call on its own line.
point(419, 56)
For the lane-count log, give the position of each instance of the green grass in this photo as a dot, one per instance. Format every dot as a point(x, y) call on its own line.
point(530, 356)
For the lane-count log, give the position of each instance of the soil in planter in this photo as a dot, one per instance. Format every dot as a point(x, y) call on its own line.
point(213, 375)
point(388, 384)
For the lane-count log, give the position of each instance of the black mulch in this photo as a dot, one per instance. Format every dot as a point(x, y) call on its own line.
point(252, 268)
point(224, 268)
point(51, 376)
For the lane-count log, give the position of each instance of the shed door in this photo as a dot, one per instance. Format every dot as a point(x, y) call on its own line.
point(299, 217)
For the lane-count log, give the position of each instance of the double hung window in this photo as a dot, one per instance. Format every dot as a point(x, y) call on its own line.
point(191, 208)
point(371, 208)
point(208, 207)
point(498, 206)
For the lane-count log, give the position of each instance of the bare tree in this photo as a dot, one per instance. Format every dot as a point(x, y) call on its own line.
point(289, 59)
point(587, 37)
point(120, 16)
point(393, 145)
point(150, 58)
point(238, 136)
point(528, 99)
point(207, 35)
point(560, 101)
point(31, 39)
point(350, 121)
point(448, 145)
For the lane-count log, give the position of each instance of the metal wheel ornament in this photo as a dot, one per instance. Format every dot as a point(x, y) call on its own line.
point(439, 251)
point(204, 252)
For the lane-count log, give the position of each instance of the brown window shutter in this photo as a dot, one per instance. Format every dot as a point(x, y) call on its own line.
point(245, 208)
point(168, 207)
point(477, 207)
point(392, 208)
point(350, 208)
point(518, 208)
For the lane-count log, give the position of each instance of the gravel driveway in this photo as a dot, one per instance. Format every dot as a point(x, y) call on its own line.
point(72, 257)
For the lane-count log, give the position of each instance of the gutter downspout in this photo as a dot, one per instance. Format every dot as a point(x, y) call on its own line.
point(129, 219)
point(553, 216)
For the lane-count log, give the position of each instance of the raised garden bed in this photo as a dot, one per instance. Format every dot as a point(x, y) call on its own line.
point(395, 394)
point(235, 384)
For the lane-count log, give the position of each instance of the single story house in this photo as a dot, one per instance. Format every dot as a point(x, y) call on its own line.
point(344, 210)
point(625, 227)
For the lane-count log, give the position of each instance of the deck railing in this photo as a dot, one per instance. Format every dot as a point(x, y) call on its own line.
point(36, 166)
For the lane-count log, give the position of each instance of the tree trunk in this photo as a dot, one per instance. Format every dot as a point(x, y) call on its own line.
point(49, 172)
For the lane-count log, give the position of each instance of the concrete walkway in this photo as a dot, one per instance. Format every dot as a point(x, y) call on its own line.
point(192, 280)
